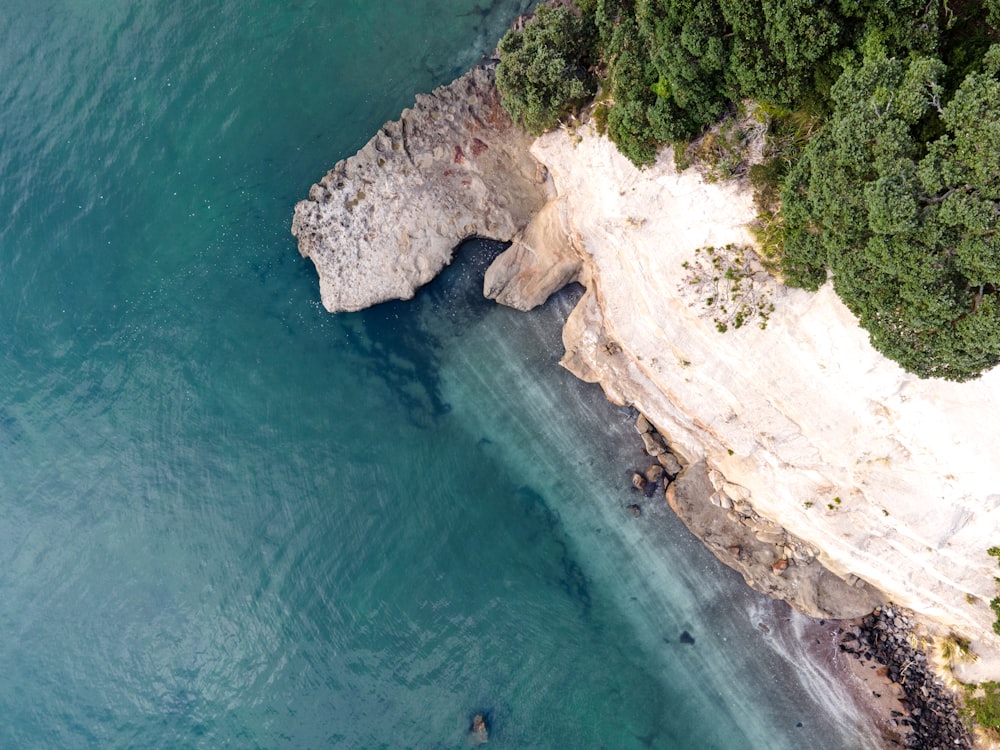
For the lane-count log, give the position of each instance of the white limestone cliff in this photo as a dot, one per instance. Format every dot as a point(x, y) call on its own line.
point(894, 479)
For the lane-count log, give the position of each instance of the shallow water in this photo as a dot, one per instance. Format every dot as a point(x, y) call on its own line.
point(229, 519)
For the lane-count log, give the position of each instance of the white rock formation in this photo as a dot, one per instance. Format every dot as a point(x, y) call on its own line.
point(895, 479)
point(541, 260)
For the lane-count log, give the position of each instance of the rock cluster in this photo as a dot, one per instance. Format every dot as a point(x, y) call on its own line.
point(665, 469)
point(656, 446)
point(886, 637)
point(386, 221)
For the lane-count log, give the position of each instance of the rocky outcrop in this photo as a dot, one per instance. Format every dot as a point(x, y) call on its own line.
point(826, 465)
point(540, 261)
point(384, 222)
point(770, 559)
point(479, 733)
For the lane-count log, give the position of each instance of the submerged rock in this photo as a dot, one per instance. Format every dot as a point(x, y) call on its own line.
point(479, 733)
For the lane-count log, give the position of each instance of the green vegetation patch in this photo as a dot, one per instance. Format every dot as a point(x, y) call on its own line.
point(542, 75)
point(982, 705)
point(907, 229)
point(995, 601)
point(882, 164)
point(733, 287)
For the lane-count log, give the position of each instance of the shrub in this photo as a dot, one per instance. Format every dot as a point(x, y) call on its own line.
point(983, 705)
point(732, 285)
point(542, 75)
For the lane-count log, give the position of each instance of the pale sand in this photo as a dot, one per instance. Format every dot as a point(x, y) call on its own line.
point(877, 696)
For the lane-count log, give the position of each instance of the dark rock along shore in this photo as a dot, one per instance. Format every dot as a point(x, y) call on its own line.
point(885, 638)
point(883, 635)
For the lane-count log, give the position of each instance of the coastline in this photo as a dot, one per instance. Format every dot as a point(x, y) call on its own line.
point(606, 339)
point(878, 654)
point(881, 701)
point(803, 421)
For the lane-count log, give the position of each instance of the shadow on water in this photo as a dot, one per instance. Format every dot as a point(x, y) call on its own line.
point(571, 579)
point(10, 427)
point(400, 342)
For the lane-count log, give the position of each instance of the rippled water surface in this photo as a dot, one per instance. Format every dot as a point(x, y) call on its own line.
point(229, 519)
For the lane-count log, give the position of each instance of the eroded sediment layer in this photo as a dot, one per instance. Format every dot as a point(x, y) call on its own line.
point(385, 221)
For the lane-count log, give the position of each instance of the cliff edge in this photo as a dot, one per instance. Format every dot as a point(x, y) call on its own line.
point(892, 479)
point(817, 449)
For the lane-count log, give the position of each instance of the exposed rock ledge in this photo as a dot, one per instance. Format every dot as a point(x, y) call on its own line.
point(891, 480)
point(386, 221)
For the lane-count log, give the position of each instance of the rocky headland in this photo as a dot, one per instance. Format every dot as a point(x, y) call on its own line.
point(384, 222)
point(821, 471)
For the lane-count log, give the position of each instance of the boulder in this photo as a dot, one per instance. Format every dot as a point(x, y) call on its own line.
point(771, 537)
point(670, 463)
point(654, 473)
point(653, 444)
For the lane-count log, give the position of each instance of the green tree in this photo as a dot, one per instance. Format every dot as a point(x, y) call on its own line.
point(907, 229)
point(542, 74)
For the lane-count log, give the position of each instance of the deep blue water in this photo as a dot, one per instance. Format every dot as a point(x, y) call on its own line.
point(229, 519)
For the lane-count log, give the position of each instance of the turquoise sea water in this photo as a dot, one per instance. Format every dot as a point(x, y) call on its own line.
point(229, 519)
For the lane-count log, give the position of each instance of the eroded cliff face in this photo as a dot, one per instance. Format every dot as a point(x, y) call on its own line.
point(893, 480)
point(385, 221)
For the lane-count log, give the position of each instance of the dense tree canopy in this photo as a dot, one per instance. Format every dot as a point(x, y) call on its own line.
point(907, 228)
point(896, 197)
point(541, 76)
